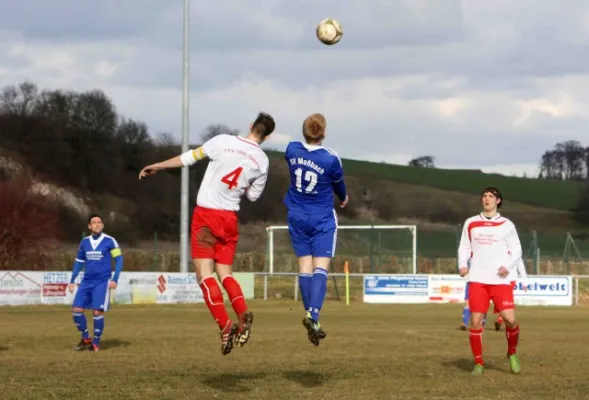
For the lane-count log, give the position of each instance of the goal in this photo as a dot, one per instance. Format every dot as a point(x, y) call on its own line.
point(368, 249)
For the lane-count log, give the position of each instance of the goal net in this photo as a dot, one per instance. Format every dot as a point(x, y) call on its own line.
point(376, 249)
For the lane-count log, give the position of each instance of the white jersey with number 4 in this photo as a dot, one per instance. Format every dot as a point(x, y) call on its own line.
point(489, 243)
point(237, 166)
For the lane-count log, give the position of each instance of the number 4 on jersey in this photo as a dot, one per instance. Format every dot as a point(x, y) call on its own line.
point(232, 178)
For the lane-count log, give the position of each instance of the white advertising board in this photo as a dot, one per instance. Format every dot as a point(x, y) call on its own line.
point(51, 287)
point(416, 289)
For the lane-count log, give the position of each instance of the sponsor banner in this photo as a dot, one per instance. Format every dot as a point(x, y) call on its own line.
point(178, 288)
point(20, 287)
point(544, 291)
point(446, 289)
point(137, 288)
point(55, 288)
point(175, 287)
point(396, 289)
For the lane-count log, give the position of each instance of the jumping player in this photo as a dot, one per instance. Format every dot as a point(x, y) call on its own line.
point(237, 166)
point(95, 256)
point(315, 173)
point(492, 244)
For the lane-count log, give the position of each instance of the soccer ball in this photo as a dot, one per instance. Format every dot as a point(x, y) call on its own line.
point(329, 31)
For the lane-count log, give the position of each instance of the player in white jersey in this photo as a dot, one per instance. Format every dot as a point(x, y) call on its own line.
point(491, 243)
point(237, 166)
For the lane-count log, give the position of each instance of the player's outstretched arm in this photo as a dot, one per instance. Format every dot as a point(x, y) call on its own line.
point(183, 160)
point(464, 250)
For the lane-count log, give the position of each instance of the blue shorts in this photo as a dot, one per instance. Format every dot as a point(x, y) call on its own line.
point(313, 234)
point(92, 295)
point(466, 291)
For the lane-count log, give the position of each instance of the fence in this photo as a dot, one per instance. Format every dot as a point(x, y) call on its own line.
point(367, 251)
point(51, 287)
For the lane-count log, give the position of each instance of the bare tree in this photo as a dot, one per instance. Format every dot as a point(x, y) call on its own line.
point(566, 161)
point(423, 162)
point(215, 130)
point(574, 159)
point(18, 100)
point(166, 140)
point(551, 166)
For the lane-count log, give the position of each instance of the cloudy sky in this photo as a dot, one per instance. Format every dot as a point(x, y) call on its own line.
point(476, 84)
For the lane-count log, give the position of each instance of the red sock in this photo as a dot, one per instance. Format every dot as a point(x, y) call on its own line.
point(476, 345)
point(499, 320)
point(214, 299)
point(512, 335)
point(235, 295)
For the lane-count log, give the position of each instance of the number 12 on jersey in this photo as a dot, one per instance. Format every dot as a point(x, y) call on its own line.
point(310, 177)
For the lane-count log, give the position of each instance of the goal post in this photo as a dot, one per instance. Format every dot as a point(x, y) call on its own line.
point(376, 245)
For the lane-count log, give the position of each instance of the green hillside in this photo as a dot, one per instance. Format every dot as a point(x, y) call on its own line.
point(560, 195)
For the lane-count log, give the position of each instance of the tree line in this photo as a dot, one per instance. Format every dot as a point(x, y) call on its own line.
point(568, 160)
point(78, 140)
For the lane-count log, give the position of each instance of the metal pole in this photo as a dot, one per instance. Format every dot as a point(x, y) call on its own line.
point(185, 139)
point(414, 245)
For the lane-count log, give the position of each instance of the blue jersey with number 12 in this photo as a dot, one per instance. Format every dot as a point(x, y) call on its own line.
point(315, 173)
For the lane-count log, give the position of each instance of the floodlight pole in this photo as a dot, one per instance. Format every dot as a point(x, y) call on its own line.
point(185, 139)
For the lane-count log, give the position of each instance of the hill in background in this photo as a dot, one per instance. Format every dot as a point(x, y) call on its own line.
point(85, 157)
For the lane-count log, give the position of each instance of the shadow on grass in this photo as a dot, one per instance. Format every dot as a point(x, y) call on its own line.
point(233, 382)
point(308, 379)
point(3, 348)
point(467, 364)
point(113, 343)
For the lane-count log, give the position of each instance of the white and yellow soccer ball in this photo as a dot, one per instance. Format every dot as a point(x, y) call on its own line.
point(329, 31)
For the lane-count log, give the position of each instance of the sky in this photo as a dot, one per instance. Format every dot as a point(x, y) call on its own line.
point(476, 84)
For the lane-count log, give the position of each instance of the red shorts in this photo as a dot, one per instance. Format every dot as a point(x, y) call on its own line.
point(513, 285)
point(480, 294)
point(214, 234)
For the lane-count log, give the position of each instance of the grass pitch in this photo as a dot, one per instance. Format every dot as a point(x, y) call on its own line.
point(371, 352)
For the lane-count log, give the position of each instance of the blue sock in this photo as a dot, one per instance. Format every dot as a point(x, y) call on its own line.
point(80, 321)
point(465, 316)
point(318, 290)
point(98, 329)
point(305, 286)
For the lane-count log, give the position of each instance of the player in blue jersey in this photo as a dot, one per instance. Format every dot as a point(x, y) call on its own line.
point(95, 256)
point(315, 173)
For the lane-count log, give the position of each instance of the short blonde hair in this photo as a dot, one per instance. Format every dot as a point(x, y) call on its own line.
point(314, 128)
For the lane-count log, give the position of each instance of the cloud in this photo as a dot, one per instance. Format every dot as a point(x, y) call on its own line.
point(475, 84)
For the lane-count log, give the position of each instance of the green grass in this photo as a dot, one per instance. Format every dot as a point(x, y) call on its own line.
point(561, 195)
point(371, 351)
